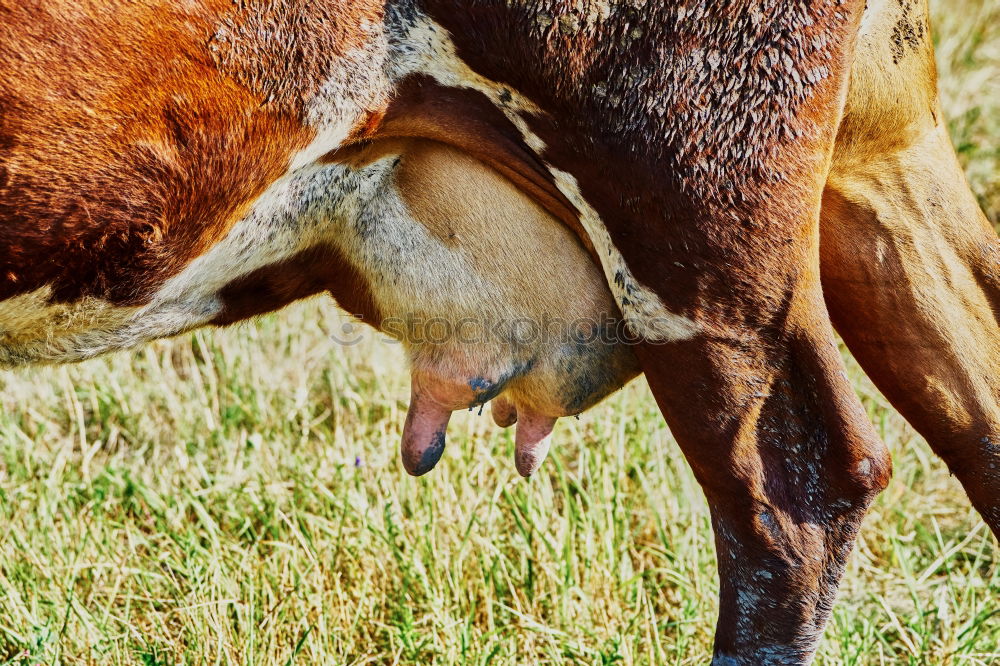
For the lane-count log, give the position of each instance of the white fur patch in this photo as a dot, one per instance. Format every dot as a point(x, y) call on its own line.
point(39, 331)
point(872, 15)
point(428, 49)
point(360, 86)
point(642, 308)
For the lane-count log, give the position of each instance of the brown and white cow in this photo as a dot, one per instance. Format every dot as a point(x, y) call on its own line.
point(166, 165)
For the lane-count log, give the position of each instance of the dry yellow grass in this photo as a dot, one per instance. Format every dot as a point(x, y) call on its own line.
point(235, 497)
point(967, 36)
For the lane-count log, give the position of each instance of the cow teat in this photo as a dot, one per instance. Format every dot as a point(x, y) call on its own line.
point(532, 441)
point(425, 431)
point(503, 411)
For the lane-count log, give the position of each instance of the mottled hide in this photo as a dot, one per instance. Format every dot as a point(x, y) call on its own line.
point(717, 182)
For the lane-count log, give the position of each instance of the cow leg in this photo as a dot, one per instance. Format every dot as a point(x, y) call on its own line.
point(757, 396)
point(789, 464)
point(760, 403)
point(910, 266)
point(911, 272)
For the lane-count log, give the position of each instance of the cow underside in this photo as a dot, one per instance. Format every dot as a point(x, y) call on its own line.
point(692, 150)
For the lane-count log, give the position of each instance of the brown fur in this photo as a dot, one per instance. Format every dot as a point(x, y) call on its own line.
point(119, 171)
point(316, 270)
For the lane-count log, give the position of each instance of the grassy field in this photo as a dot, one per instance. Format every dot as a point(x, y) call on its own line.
point(967, 34)
point(235, 497)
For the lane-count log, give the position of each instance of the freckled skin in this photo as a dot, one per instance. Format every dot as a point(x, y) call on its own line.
point(431, 455)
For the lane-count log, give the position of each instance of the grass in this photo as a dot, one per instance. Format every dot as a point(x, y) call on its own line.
point(235, 497)
point(967, 37)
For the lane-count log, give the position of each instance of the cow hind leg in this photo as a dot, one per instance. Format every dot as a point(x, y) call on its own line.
point(789, 465)
point(910, 266)
point(760, 404)
point(911, 274)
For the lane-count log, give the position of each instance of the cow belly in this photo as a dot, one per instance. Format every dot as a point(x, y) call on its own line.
point(508, 283)
point(298, 212)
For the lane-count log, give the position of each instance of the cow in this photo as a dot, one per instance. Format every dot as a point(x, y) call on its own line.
point(741, 172)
